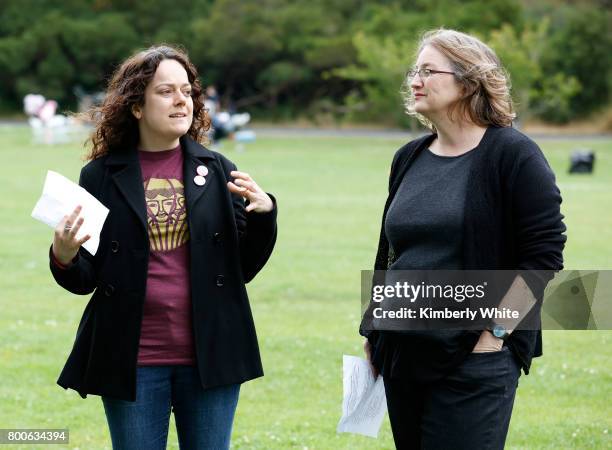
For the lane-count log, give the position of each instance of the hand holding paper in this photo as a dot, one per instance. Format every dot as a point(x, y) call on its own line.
point(364, 403)
point(65, 243)
point(60, 197)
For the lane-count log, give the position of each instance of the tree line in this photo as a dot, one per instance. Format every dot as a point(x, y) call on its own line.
point(317, 59)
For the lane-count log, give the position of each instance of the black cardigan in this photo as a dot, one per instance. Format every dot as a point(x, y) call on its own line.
point(512, 218)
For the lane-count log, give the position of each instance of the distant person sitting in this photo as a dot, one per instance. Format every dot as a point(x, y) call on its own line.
point(224, 124)
point(211, 102)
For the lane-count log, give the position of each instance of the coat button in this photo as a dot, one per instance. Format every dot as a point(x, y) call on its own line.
point(220, 280)
point(217, 237)
point(114, 246)
point(109, 290)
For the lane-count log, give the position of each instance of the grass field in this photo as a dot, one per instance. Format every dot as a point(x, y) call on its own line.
point(306, 301)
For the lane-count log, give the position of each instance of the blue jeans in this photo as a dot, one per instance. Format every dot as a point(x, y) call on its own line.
point(203, 418)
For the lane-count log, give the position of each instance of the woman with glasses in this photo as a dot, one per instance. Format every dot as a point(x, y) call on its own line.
point(475, 193)
point(168, 327)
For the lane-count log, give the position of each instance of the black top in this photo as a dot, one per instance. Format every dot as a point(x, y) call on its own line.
point(424, 221)
point(511, 220)
point(424, 228)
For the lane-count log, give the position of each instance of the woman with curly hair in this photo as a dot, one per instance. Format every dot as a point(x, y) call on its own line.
point(474, 194)
point(169, 327)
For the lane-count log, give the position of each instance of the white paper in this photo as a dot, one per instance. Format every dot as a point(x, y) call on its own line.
point(364, 403)
point(59, 198)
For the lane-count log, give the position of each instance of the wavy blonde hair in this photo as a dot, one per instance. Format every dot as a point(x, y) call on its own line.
point(486, 84)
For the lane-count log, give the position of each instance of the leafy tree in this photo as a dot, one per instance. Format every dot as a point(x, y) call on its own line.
point(534, 91)
point(580, 47)
point(552, 100)
point(296, 57)
point(387, 48)
point(60, 52)
point(381, 72)
point(274, 51)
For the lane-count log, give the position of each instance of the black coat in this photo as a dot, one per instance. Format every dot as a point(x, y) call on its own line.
point(228, 246)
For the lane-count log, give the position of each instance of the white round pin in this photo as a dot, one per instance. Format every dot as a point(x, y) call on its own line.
point(202, 171)
point(199, 180)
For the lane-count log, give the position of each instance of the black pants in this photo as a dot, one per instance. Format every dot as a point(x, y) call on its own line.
point(468, 409)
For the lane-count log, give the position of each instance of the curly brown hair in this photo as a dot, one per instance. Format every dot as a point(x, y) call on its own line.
point(115, 127)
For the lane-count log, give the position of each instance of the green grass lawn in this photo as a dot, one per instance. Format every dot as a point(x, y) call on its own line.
point(306, 301)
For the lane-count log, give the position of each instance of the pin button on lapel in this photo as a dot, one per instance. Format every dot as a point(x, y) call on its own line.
point(220, 280)
point(202, 171)
point(199, 180)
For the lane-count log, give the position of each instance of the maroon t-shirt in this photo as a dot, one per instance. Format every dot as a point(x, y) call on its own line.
point(167, 334)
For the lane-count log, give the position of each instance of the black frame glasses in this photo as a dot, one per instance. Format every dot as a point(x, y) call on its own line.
point(425, 73)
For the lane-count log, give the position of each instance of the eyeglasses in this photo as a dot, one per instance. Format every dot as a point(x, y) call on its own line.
point(424, 73)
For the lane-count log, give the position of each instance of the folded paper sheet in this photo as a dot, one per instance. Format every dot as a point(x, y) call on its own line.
point(364, 403)
point(59, 197)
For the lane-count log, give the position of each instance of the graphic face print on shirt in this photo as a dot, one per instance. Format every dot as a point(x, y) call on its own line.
point(166, 213)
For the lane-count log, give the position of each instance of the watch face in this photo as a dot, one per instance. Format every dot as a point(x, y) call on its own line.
point(499, 331)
